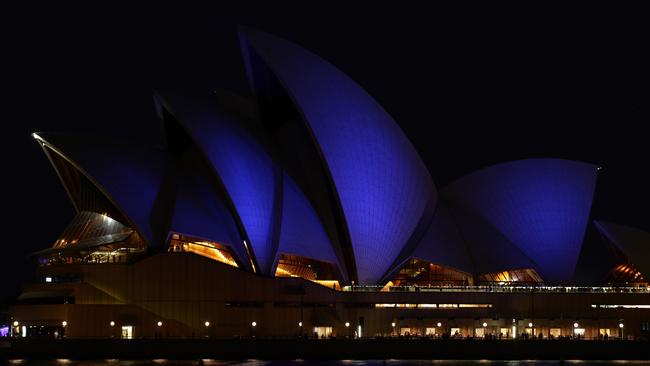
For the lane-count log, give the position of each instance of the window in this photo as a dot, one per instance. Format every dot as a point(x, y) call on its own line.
point(322, 332)
point(323, 273)
point(555, 332)
point(422, 273)
point(645, 326)
point(204, 248)
point(127, 332)
point(474, 305)
point(479, 332)
point(527, 275)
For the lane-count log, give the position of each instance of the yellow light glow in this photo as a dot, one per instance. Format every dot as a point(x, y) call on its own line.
point(203, 248)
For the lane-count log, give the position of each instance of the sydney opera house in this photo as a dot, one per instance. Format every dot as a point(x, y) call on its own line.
point(307, 211)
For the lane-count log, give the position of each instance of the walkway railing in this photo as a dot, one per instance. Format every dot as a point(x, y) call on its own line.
point(500, 288)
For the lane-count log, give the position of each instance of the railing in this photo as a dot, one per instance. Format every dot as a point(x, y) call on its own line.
point(500, 289)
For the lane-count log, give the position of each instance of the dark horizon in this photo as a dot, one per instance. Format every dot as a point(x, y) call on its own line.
point(470, 87)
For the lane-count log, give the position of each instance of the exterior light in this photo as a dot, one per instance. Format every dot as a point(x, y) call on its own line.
point(530, 325)
point(159, 324)
point(575, 325)
point(621, 325)
point(16, 323)
point(392, 324)
point(484, 324)
point(300, 324)
point(439, 324)
point(207, 324)
point(347, 324)
point(112, 323)
point(254, 324)
point(64, 323)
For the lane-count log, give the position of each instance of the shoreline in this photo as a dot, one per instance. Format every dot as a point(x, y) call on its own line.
point(330, 349)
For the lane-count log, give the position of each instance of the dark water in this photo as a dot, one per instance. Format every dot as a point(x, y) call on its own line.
point(65, 362)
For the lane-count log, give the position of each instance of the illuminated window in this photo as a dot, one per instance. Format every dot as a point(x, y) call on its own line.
point(519, 276)
point(479, 332)
point(92, 237)
point(422, 273)
point(555, 332)
point(204, 248)
point(323, 332)
point(313, 270)
point(474, 305)
point(433, 306)
point(625, 274)
point(127, 332)
point(623, 306)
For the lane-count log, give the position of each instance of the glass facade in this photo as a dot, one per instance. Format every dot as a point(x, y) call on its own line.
point(626, 274)
point(310, 269)
point(520, 276)
point(417, 272)
point(182, 243)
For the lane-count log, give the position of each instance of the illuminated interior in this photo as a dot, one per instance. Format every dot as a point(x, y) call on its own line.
point(417, 272)
point(204, 248)
point(310, 269)
point(527, 275)
point(625, 274)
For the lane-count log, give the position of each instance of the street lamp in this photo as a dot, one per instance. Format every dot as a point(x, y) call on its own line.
point(439, 324)
point(112, 323)
point(16, 323)
point(347, 324)
point(300, 324)
point(621, 325)
point(159, 324)
point(254, 324)
point(207, 324)
point(575, 325)
point(484, 325)
point(64, 323)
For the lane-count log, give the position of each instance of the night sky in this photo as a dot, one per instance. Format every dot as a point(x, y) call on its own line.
point(471, 87)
